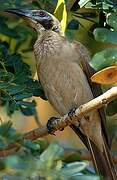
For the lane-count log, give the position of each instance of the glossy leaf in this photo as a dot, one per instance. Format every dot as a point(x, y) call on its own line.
point(53, 152)
point(22, 96)
point(73, 168)
point(86, 177)
point(61, 13)
point(14, 88)
point(104, 58)
point(73, 25)
point(106, 76)
point(111, 20)
point(105, 35)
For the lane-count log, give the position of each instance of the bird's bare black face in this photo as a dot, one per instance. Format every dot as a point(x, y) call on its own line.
point(39, 16)
point(43, 18)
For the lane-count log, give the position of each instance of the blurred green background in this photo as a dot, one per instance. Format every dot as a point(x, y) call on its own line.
point(94, 23)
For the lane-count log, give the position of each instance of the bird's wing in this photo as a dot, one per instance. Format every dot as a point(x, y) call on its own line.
point(102, 160)
point(89, 71)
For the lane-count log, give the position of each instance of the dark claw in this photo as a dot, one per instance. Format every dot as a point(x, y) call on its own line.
point(62, 129)
point(50, 125)
point(71, 113)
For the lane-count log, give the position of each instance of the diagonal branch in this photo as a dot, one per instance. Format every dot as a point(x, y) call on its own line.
point(61, 123)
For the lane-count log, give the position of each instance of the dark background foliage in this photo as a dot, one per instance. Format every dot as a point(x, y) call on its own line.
point(18, 87)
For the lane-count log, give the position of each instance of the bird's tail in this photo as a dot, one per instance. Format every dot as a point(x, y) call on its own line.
point(102, 161)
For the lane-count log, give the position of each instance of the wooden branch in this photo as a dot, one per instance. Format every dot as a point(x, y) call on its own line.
point(64, 121)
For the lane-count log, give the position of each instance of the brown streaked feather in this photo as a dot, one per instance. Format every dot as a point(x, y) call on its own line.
point(95, 88)
point(98, 157)
point(64, 73)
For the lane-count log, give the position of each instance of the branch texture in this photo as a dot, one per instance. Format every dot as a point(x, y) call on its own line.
point(61, 123)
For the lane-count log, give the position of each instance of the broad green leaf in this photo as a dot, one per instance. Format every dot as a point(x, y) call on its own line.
point(73, 25)
point(86, 177)
point(104, 58)
point(61, 14)
point(53, 152)
point(73, 168)
point(105, 35)
point(112, 20)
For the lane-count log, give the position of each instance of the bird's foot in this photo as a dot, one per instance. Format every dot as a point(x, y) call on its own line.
point(71, 113)
point(51, 125)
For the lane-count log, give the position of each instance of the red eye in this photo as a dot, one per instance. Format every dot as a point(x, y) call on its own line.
point(42, 14)
point(39, 13)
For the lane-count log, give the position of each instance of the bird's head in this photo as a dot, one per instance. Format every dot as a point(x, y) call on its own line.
point(37, 19)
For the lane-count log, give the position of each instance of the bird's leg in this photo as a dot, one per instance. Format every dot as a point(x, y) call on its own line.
point(51, 124)
point(72, 115)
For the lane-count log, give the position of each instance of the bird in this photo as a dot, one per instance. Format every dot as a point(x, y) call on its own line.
point(64, 72)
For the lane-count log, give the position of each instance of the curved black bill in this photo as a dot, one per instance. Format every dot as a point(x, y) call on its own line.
point(20, 12)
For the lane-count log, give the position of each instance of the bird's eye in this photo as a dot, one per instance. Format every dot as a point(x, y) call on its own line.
point(39, 13)
point(42, 14)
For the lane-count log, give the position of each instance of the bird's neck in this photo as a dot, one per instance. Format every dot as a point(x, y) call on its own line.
point(47, 45)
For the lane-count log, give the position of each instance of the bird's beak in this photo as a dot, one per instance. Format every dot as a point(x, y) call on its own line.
point(32, 17)
point(27, 15)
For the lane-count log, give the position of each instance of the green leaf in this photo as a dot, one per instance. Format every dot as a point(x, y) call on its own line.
point(73, 168)
point(73, 25)
point(4, 29)
point(53, 152)
point(11, 106)
point(30, 145)
point(6, 76)
point(4, 46)
point(35, 87)
point(86, 177)
point(27, 108)
point(28, 104)
point(4, 128)
point(111, 20)
point(22, 96)
point(27, 111)
point(104, 58)
point(2, 143)
point(61, 14)
point(3, 85)
point(15, 162)
point(105, 35)
point(14, 89)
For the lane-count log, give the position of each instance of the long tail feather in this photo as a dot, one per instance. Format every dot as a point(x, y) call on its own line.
point(102, 161)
